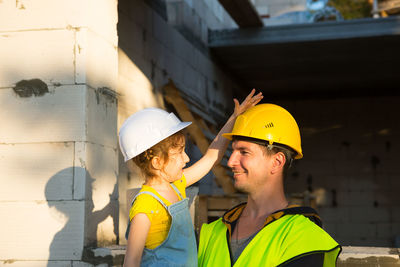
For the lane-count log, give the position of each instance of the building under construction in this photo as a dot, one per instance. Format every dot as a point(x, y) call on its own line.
point(72, 71)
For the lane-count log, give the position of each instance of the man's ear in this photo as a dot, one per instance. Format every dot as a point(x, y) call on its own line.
point(157, 163)
point(278, 162)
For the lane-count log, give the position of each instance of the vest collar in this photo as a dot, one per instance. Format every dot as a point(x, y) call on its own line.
point(231, 216)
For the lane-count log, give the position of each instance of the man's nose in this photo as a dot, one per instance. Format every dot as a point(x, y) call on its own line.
point(232, 159)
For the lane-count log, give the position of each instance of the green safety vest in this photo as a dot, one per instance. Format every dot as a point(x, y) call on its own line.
point(284, 240)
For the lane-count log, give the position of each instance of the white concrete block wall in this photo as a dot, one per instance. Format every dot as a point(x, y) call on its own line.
point(58, 150)
point(349, 162)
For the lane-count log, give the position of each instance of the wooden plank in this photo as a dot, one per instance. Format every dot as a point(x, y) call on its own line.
point(224, 202)
point(242, 12)
point(201, 212)
point(215, 213)
point(173, 97)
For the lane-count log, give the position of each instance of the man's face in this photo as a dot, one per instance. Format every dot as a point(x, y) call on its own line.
point(249, 165)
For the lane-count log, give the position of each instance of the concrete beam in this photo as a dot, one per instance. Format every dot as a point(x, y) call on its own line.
point(306, 32)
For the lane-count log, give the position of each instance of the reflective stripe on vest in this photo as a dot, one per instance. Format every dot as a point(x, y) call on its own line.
point(281, 241)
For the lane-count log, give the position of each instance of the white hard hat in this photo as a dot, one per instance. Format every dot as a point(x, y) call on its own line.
point(146, 128)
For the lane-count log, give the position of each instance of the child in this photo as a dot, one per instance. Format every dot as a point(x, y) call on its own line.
point(160, 232)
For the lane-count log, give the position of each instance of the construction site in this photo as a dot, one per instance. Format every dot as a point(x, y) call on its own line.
point(71, 72)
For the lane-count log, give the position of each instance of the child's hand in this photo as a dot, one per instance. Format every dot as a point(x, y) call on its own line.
point(250, 101)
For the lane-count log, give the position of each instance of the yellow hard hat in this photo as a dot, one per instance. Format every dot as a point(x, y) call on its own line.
point(270, 123)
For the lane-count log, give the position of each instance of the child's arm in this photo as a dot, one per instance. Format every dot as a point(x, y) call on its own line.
point(217, 148)
point(138, 231)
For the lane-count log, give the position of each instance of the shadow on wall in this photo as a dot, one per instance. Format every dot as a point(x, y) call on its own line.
point(81, 222)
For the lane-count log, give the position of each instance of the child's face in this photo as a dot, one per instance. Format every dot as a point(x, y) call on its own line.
point(176, 162)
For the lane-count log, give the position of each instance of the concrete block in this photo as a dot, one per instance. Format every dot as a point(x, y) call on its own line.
point(160, 31)
point(138, 11)
point(187, 54)
point(177, 43)
point(384, 230)
point(102, 117)
point(58, 264)
point(128, 178)
point(190, 80)
point(135, 90)
point(160, 80)
point(175, 68)
point(319, 168)
point(81, 264)
point(96, 60)
point(207, 67)
point(395, 227)
point(45, 263)
point(357, 230)
point(102, 195)
point(355, 198)
point(203, 32)
point(334, 215)
point(102, 165)
point(50, 55)
point(368, 256)
point(132, 43)
point(217, 10)
point(388, 166)
point(81, 177)
point(36, 171)
point(57, 116)
point(100, 16)
point(155, 53)
point(369, 214)
point(395, 211)
point(201, 8)
point(55, 230)
point(352, 167)
point(363, 183)
point(386, 197)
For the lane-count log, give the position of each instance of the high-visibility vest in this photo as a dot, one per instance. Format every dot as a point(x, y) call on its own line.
point(286, 239)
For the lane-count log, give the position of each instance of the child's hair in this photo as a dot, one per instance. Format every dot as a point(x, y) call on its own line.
point(161, 149)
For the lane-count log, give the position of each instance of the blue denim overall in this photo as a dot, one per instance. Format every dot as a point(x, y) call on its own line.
point(179, 248)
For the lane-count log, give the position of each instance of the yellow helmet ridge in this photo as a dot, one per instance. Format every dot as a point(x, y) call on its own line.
point(271, 123)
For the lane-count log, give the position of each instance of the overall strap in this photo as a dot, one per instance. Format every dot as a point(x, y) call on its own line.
point(140, 193)
point(153, 195)
point(177, 191)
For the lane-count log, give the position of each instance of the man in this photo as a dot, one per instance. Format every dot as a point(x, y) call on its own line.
point(265, 231)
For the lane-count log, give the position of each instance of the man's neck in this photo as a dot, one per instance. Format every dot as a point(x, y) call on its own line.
point(264, 202)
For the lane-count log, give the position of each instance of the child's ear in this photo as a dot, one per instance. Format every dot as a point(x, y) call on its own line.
point(157, 163)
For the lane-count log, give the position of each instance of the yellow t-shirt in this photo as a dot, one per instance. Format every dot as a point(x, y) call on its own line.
point(159, 217)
